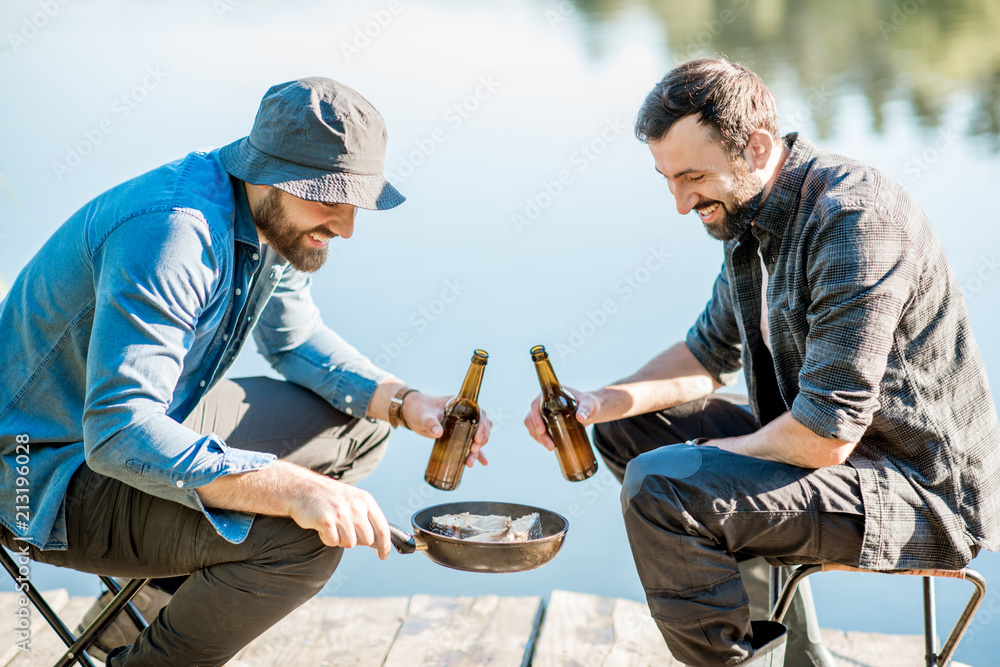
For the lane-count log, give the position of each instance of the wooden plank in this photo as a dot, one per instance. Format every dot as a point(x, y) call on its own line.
point(57, 599)
point(453, 632)
point(46, 647)
point(353, 632)
point(509, 634)
point(871, 649)
point(578, 631)
point(637, 640)
point(8, 605)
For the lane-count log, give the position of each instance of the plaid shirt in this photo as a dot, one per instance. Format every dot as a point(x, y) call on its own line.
point(871, 344)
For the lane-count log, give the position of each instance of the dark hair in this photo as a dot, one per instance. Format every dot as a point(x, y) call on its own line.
point(726, 96)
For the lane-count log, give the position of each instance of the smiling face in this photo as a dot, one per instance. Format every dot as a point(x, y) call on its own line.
point(703, 178)
point(301, 230)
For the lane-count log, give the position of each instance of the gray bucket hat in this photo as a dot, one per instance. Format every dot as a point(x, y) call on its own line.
point(319, 140)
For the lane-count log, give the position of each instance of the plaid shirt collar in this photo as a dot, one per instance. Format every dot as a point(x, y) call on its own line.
point(780, 205)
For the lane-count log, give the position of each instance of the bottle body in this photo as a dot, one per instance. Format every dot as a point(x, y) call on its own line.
point(558, 410)
point(461, 419)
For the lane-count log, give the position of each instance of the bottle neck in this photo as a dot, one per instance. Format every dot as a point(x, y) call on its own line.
point(546, 376)
point(472, 382)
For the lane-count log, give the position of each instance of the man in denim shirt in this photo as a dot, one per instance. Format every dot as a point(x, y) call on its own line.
point(869, 437)
point(144, 461)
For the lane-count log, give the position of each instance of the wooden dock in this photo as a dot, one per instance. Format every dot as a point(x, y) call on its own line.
point(570, 630)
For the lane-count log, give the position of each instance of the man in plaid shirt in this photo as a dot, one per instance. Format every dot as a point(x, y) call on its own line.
point(869, 436)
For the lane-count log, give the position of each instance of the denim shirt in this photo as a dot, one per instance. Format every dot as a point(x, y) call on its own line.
point(127, 316)
point(871, 344)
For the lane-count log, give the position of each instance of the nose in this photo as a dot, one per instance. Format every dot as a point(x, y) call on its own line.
point(685, 199)
point(345, 224)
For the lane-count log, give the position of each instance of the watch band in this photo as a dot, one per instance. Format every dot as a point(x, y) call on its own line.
point(396, 407)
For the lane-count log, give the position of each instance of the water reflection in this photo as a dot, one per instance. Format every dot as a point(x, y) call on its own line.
point(929, 54)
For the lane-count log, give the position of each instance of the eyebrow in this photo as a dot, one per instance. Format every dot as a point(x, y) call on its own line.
point(683, 172)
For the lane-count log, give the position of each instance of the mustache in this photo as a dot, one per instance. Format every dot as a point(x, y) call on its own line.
point(705, 203)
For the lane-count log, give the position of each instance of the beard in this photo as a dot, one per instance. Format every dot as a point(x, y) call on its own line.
point(739, 213)
point(270, 217)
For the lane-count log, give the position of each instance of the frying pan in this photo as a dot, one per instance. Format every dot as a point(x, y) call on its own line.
point(482, 556)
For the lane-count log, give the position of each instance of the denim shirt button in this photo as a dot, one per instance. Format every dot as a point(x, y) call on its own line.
point(201, 384)
point(347, 399)
point(255, 256)
point(180, 484)
point(225, 336)
point(349, 411)
point(238, 291)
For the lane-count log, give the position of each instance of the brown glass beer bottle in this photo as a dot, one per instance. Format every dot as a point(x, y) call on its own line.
point(558, 408)
point(461, 419)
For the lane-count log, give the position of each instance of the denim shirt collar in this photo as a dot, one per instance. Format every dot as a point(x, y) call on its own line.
point(244, 229)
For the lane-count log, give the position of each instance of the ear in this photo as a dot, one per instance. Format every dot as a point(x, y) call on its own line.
point(759, 147)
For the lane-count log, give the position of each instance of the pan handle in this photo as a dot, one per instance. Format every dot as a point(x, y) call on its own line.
point(404, 542)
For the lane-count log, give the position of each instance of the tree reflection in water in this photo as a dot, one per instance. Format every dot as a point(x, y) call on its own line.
point(927, 53)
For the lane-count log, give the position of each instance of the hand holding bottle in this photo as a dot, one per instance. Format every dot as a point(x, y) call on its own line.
point(558, 410)
point(424, 415)
point(460, 423)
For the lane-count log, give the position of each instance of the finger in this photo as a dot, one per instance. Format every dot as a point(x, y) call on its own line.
point(330, 536)
point(484, 430)
point(432, 426)
point(348, 538)
point(586, 409)
point(536, 420)
point(363, 530)
point(541, 438)
point(475, 453)
point(380, 529)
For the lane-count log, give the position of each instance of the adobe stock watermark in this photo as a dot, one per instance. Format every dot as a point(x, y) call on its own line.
point(817, 97)
point(121, 108)
point(901, 13)
point(985, 615)
point(712, 29)
point(988, 269)
point(596, 319)
point(34, 23)
point(564, 9)
point(22, 517)
point(551, 189)
point(454, 117)
point(223, 7)
point(364, 34)
point(419, 321)
point(922, 161)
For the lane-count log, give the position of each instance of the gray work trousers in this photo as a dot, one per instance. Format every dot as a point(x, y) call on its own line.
point(695, 515)
point(231, 593)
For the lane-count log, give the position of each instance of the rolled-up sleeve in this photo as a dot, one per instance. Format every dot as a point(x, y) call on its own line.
point(291, 335)
point(714, 340)
point(863, 270)
point(149, 296)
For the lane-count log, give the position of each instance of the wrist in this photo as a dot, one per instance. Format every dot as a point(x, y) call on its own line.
point(397, 408)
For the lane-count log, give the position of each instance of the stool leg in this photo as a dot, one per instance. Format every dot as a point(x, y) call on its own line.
point(130, 608)
point(43, 608)
point(965, 619)
point(799, 573)
point(76, 651)
point(930, 624)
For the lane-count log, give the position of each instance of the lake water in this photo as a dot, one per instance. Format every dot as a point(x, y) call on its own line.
point(533, 215)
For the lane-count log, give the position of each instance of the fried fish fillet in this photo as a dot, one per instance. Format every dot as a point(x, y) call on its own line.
point(488, 528)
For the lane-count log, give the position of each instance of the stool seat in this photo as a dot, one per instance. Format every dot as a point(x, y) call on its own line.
point(782, 599)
